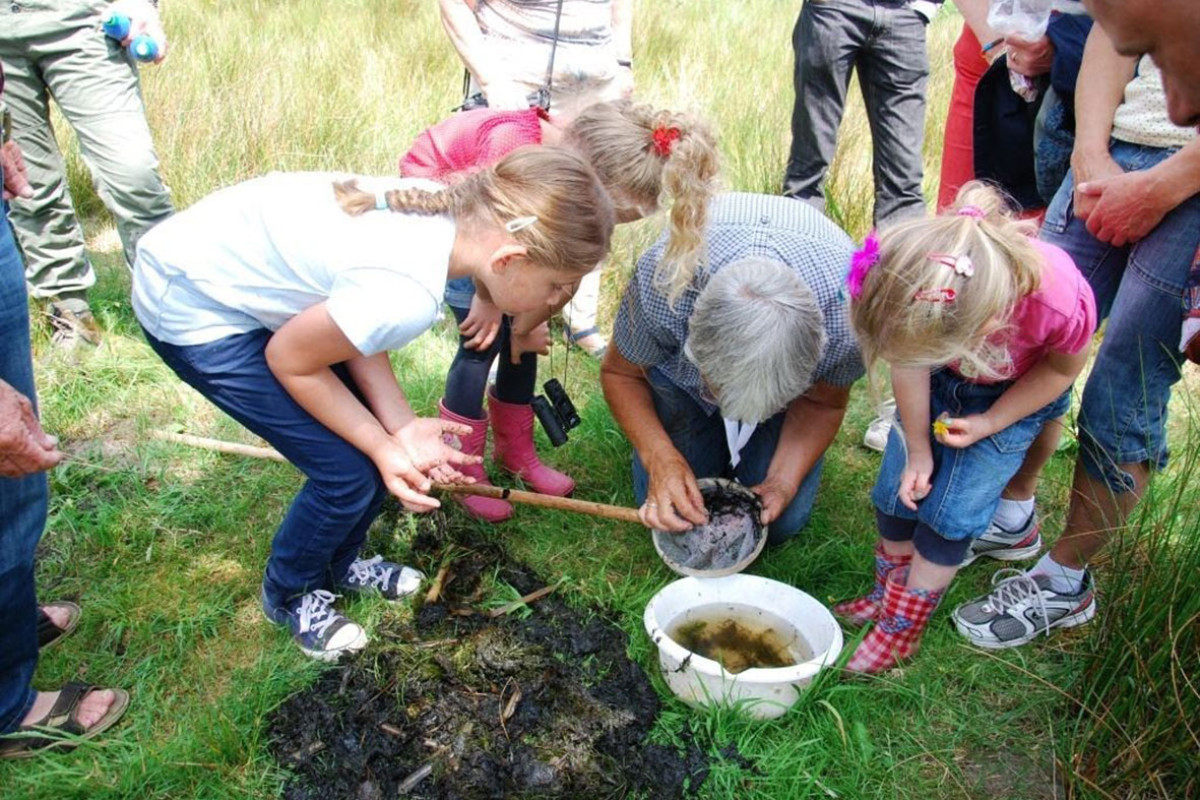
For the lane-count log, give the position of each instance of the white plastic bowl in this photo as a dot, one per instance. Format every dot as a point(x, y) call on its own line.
point(761, 693)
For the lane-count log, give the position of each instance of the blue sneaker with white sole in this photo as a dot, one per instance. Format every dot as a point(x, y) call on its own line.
point(318, 629)
point(393, 581)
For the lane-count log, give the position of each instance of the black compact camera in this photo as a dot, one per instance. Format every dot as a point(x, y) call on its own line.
point(539, 98)
point(556, 412)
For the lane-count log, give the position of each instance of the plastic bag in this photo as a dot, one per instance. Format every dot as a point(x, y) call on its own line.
point(1024, 18)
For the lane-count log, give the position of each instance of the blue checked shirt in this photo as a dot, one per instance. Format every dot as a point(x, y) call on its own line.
point(650, 333)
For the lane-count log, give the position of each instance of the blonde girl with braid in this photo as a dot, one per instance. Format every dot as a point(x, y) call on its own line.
point(646, 158)
point(985, 329)
point(279, 299)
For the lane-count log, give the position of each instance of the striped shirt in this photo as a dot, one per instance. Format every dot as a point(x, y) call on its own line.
point(650, 333)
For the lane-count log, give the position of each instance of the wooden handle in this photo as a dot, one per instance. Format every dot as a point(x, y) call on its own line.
point(620, 513)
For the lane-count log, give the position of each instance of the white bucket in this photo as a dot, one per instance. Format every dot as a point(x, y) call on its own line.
point(759, 692)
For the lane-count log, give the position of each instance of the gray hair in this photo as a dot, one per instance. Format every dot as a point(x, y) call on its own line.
point(756, 334)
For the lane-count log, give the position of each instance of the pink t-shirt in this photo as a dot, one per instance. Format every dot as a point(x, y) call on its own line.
point(471, 140)
point(1059, 317)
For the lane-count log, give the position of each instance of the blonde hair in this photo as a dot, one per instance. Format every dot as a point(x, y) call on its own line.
point(574, 216)
point(902, 314)
point(618, 139)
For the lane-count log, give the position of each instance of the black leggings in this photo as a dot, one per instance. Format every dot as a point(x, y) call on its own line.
point(467, 379)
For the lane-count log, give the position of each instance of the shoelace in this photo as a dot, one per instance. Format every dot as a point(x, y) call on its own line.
point(1014, 587)
point(316, 611)
point(366, 572)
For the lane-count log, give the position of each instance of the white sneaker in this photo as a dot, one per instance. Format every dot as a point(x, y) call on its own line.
point(1005, 545)
point(880, 428)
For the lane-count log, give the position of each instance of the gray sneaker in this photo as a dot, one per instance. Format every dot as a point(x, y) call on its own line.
point(1020, 607)
point(1005, 545)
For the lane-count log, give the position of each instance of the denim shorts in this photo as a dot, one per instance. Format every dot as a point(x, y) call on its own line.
point(967, 482)
point(459, 292)
point(1139, 289)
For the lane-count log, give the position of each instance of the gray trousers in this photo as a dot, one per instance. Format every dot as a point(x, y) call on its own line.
point(56, 49)
point(886, 44)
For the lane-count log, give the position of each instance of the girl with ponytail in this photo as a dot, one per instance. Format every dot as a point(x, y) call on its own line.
point(279, 299)
point(985, 330)
point(645, 157)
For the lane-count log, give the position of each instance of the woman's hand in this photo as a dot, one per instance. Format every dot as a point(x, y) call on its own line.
point(416, 452)
point(16, 174)
point(1030, 58)
point(481, 324)
point(1087, 168)
point(24, 447)
point(960, 432)
point(775, 494)
point(673, 499)
point(915, 481)
point(536, 341)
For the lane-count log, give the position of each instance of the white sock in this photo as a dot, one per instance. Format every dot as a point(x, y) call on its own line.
point(1011, 515)
point(1064, 580)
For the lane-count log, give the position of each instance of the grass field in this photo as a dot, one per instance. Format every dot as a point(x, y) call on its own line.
point(164, 546)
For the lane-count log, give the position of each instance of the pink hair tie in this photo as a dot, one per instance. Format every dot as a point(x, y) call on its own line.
point(861, 262)
point(975, 212)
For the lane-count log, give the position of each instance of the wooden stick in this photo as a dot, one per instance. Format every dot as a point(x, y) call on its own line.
point(230, 448)
point(620, 513)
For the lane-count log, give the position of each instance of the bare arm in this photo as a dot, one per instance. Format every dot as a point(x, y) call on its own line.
point(622, 27)
point(374, 377)
point(809, 427)
point(673, 501)
point(458, 18)
point(1100, 90)
point(911, 388)
point(974, 13)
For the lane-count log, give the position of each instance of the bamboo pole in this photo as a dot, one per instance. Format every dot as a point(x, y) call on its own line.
point(621, 513)
point(230, 448)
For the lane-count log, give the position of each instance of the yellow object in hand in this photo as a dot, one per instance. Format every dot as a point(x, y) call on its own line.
point(940, 428)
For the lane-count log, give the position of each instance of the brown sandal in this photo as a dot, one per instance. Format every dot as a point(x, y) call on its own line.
point(50, 634)
point(59, 729)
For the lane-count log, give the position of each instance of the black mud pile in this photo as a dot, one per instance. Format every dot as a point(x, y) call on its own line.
point(462, 704)
point(730, 537)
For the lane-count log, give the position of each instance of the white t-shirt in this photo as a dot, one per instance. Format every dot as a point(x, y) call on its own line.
point(256, 254)
point(1142, 117)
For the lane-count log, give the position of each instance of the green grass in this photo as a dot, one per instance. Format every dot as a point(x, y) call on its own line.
point(164, 545)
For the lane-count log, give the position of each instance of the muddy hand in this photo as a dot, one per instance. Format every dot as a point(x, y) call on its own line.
point(673, 500)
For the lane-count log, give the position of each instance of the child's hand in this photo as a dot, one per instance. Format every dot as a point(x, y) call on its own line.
point(145, 21)
point(419, 450)
point(482, 324)
point(959, 432)
point(536, 341)
point(915, 480)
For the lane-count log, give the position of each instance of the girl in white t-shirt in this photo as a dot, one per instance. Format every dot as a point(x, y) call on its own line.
point(278, 300)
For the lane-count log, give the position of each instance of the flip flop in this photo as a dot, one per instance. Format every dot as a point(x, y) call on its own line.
point(59, 730)
point(50, 634)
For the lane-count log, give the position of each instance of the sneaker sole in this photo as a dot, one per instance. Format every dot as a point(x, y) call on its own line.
point(1008, 553)
point(333, 655)
point(1069, 621)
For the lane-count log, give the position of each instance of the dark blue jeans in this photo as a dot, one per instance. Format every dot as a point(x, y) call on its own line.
point(328, 521)
point(700, 439)
point(22, 504)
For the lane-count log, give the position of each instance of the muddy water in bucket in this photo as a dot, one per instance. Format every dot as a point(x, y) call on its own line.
point(740, 637)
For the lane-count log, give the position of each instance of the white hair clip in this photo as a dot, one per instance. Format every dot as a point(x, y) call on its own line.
point(962, 265)
point(519, 224)
point(381, 201)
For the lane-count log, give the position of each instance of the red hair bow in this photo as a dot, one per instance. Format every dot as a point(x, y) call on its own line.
point(664, 139)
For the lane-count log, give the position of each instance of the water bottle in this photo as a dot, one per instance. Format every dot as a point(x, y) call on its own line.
point(143, 47)
point(1026, 19)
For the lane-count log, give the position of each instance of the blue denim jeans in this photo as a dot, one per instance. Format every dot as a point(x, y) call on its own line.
point(700, 439)
point(328, 521)
point(22, 504)
point(1139, 289)
point(885, 42)
point(967, 481)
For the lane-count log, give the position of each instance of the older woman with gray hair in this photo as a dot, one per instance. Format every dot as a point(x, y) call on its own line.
point(745, 373)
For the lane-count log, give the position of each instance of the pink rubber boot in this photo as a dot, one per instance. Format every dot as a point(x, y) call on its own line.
point(487, 509)
point(512, 427)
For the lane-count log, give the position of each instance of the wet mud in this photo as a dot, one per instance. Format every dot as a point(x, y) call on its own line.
point(469, 702)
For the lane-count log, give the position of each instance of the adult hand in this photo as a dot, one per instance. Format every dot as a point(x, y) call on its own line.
point(505, 95)
point(24, 447)
point(960, 432)
point(1030, 58)
point(775, 494)
point(415, 452)
point(481, 324)
point(144, 20)
point(1089, 167)
point(1124, 207)
point(16, 175)
point(915, 480)
point(673, 499)
point(536, 341)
